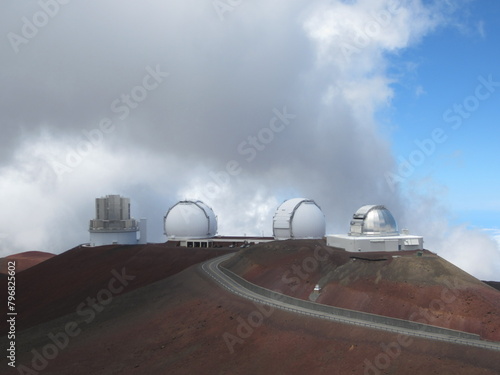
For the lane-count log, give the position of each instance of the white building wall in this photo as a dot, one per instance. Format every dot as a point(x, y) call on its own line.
point(143, 232)
point(368, 243)
point(113, 237)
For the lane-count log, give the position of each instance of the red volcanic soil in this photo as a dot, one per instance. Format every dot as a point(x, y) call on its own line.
point(24, 260)
point(57, 286)
point(171, 318)
point(418, 286)
point(494, 284)
point(178, 325)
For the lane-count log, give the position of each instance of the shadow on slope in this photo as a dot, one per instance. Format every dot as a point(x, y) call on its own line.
point(59, 285)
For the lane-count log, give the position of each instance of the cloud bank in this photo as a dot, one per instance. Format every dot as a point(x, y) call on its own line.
point(240, 104)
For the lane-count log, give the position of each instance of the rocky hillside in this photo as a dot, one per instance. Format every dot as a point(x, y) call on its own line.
point(417, 285)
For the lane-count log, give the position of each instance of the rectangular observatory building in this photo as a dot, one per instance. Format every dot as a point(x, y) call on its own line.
point(373, 228)
point(113, 223)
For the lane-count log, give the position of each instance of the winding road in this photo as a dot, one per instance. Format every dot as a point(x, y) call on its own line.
point(230, 283)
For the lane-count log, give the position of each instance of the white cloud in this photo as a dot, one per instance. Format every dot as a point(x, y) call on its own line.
point(481, 29)
point(419, 91)
point(345, 32)
point(493, 233)
point(250, 211)
point(473, 251)
point(427, 214)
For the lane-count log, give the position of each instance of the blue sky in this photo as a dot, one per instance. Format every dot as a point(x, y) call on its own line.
point(445, 68)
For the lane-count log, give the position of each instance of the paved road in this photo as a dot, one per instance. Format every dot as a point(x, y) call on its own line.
point(211, 267)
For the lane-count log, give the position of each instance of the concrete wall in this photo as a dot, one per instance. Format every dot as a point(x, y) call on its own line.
point(369, 243)
point(143, 231)
point(113, 237)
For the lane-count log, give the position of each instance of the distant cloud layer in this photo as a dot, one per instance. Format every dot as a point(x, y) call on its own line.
point(241, 104)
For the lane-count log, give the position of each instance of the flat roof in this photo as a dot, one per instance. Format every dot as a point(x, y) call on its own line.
point(399, 236)
point(225, 239)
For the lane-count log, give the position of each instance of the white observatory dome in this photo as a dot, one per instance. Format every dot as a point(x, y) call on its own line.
point(189, 220)
point(298, 218)
point(373, 220)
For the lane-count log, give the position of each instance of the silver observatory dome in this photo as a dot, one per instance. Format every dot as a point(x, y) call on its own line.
point(298, 218)
point(190, 219)
point(373, 220)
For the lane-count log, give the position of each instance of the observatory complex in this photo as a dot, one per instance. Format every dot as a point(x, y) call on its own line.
point(373, 228)
point(192, 223)
point(113, 224)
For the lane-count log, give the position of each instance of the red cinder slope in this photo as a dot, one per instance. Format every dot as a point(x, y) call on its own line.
point(494, 284)
point(24, 260)
point(59, 285)
point(178, 326)
point(417, 286)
